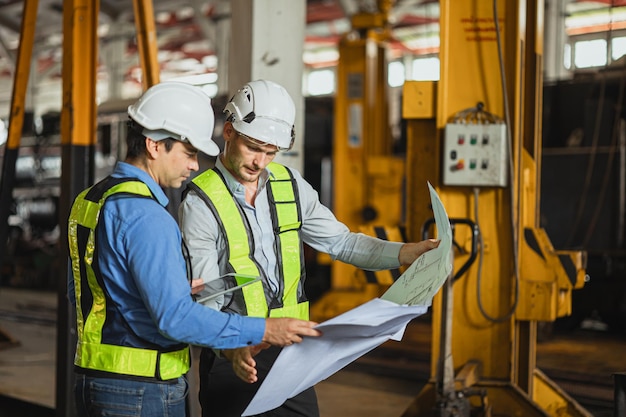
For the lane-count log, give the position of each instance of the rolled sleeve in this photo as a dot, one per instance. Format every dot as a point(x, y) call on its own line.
point(323, 232)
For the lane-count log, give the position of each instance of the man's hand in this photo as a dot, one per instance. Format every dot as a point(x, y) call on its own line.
point(409, 252)
point(244, 365)
point(286, 331)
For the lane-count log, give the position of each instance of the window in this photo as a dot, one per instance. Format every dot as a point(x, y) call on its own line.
point(425, 69)
point(395, 74)
point(321, 82)
point(3, 132)
point(567, 56)
point(618, 48)
point(590, 53)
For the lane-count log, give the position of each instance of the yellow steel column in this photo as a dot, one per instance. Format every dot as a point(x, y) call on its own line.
point(360, 131)
point(470, 74)
point(361, 123)
point(367, 178)
point(78, 115)
point(16, 120)
point(78, 139)
point(147, 42)
point(522, 279)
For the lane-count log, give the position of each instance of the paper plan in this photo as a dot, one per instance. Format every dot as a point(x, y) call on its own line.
point(354, 333)
point(345, 338)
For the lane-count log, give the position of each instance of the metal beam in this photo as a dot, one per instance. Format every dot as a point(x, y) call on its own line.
point(78, 139)
point(16, 121)
point(147, 42)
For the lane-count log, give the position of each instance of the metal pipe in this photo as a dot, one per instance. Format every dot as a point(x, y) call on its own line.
point(622, 184)
point(619, 382)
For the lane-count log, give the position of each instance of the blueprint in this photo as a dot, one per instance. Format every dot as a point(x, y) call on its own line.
point(345, 338)
point(350, 335)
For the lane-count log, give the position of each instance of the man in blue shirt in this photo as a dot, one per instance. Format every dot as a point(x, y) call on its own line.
point(135, 313)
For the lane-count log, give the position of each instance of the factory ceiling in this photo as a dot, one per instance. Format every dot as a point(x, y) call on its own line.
point(186, 31)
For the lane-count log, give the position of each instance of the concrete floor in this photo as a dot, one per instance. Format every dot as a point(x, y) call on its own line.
point(28, 371)
point(366, 388)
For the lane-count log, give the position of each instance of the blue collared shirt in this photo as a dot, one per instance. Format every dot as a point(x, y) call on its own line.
point(144, 273)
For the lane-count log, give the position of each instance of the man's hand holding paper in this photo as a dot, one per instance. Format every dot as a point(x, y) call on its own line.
point(421, 281)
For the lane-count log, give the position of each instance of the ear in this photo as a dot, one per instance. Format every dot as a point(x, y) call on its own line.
point(152, 148)
point(229, 131)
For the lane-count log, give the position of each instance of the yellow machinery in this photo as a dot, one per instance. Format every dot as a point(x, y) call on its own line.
point(485, 321)
point(367, 179)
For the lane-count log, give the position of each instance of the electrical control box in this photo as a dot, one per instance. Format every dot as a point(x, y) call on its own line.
point(475, 155)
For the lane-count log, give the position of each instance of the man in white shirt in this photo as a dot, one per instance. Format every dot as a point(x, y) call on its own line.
point(251, 216)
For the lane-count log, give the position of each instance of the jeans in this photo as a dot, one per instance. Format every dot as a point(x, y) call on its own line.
point(123, 397)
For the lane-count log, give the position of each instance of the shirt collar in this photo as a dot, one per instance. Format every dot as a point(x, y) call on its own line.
point(126, 170)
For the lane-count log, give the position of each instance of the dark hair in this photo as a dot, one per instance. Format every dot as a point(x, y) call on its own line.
point(135, 140)
point(136, 143)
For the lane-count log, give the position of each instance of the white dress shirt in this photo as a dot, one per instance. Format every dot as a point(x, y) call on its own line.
point(320, 230)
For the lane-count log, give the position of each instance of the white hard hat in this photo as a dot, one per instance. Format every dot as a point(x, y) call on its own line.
point(263, 110)
point(176, 110)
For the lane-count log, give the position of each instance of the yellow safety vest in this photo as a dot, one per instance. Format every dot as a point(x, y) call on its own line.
point(286, 220)
point(91, 353)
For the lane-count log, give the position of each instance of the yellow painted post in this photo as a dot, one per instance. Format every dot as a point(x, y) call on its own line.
point(16, 118)
point(147, 42)
point(496, 308)
point(367, 178)
point(78, 140)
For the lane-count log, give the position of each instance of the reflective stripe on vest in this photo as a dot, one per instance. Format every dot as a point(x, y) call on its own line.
point(91, 353)
point(286, 222)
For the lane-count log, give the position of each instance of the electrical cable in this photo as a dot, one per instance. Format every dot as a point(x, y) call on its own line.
point(514, 227)
point(608, 167)
point(612, 148)
point(590, 165)
point(479, 272)
point(477, 115)
point(593, 154)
